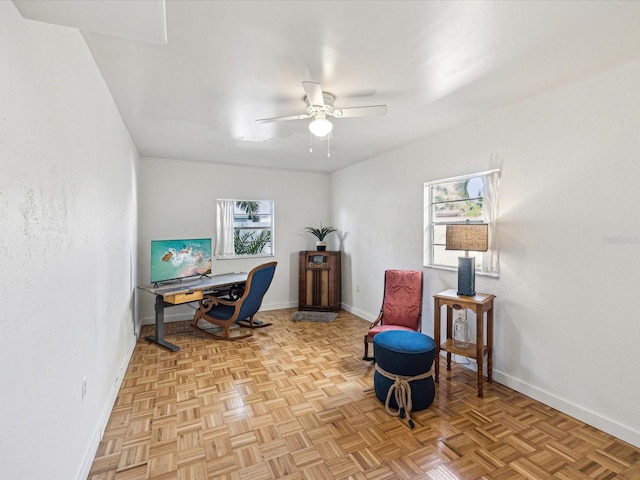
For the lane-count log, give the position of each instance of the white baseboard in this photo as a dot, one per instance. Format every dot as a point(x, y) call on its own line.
point(106, 414)
point(359, 313)
point(576, 411)
point(278, 306)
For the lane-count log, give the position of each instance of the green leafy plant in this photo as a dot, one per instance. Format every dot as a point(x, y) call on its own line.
point(247, 243)
point(251, 208)
point(321, 232)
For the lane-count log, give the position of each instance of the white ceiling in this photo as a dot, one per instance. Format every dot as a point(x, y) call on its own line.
point(436, 64)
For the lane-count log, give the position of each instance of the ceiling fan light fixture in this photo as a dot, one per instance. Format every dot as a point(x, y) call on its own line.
point(320, 126)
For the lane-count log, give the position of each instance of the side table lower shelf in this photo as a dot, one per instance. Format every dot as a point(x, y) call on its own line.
point(470, 352)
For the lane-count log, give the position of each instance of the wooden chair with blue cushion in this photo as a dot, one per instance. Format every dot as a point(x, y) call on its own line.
point(401, 305)
point(215, 316)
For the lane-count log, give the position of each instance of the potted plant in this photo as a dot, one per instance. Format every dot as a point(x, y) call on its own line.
point(320, 233)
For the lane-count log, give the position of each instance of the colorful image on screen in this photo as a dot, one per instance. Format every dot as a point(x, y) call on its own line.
point(174, 259)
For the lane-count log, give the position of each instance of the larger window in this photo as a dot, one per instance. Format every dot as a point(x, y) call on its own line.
point(244, 228)
point(470, 198)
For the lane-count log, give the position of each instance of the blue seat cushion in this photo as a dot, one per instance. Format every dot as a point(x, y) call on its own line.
point(404, 353)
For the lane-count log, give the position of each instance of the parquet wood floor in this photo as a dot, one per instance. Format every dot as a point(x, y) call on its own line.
point(294, 401)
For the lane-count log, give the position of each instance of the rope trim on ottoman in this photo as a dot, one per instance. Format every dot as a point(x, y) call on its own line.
point(402, 389)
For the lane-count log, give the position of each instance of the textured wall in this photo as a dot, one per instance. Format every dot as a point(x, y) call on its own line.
point(566, 329)
point(68, 213)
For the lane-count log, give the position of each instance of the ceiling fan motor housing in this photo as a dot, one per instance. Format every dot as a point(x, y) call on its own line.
point(320, 105)
point(327, 108)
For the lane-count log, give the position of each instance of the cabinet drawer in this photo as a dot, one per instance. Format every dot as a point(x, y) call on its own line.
point(177, 298)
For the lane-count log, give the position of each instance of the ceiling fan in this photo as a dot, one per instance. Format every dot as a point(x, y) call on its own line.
point(320, 106)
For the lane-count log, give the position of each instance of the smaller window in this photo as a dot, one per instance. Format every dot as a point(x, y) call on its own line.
point(471, 198)
point(244, 228)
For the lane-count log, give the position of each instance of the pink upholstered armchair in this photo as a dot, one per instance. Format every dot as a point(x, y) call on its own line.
point(401, 305)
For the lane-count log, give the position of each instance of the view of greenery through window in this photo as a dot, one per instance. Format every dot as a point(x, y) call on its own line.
point(452, 201)
point(252, 226)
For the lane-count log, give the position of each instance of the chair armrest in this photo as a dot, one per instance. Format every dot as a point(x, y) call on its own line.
point(224, 301)
point(208, 302)
point(377, 321)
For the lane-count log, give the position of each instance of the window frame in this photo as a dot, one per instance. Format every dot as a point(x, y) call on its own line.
point(489, 264)
point(226, 239)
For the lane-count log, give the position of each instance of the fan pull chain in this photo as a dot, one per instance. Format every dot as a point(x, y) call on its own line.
point(329, 145)
point(310, 144)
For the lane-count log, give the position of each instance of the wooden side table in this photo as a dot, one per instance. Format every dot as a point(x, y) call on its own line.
point(480, 303)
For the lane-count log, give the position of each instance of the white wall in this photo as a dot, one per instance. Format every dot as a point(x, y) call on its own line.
point(566, 326)
point(178, 200)
point(67, 250)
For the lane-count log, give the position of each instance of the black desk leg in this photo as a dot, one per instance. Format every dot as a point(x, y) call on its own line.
point(159, 336)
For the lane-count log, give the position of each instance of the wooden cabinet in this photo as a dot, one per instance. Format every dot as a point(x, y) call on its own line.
point(319, 287)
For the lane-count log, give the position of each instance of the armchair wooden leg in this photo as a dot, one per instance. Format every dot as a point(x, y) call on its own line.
point(366, 349)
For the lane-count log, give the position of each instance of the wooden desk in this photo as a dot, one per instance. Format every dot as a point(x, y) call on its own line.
point(480, 303)
point(187, 291)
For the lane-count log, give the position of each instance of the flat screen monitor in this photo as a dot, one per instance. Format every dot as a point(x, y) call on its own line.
point(177, 259)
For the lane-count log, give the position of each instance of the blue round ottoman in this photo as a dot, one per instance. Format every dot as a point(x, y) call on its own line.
point(403, 379)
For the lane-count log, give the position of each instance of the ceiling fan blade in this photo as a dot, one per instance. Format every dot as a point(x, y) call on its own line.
point(369, 111)
point(314, 93)
point(283, 119)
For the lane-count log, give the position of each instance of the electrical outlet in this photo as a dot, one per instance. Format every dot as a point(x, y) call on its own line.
point(84, 387)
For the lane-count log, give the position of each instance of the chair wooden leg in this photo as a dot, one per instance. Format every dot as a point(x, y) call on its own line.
point(366, 349)
point(252, 323)
point(212, 332)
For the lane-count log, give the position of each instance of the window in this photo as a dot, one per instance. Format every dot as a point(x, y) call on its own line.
point(244, 228)
point(472, 198)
